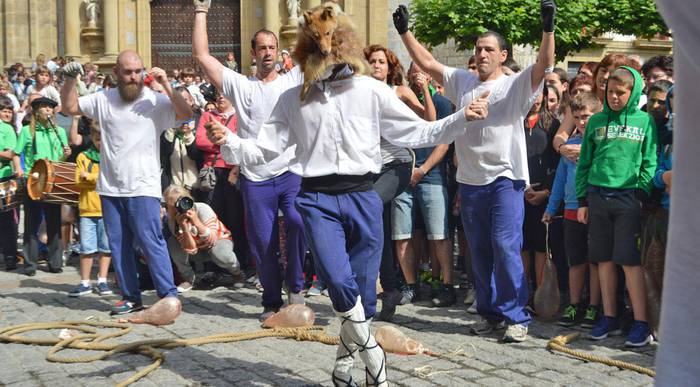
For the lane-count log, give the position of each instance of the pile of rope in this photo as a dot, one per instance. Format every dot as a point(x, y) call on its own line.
point(559, 344)
point(90, 339)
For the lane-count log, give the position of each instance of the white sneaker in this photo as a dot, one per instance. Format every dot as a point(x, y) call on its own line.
point(472, 308)
point(515, 333)
point(184, 287)
point(470, 298)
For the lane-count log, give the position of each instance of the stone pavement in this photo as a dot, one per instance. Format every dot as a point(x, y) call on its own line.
point(283, 362)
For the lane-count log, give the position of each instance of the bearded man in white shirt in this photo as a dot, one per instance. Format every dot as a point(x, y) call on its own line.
point(333, 142)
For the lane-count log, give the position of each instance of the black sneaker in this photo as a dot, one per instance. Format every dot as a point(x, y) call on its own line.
point(409, 294)
point(570, 317)
point(445, 297)
point(590, 319)
point(389, 302)
point(124, 307)
point(10, 265)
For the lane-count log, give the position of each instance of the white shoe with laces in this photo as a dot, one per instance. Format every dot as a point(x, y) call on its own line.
point(515, 333)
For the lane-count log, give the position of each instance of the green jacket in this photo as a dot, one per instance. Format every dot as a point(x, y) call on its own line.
point(49, 144)
point(8, 140)
point(619, 148)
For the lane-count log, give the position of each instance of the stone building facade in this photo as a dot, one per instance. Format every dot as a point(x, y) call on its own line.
point(160, 30)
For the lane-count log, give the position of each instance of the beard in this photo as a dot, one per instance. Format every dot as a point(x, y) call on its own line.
point(129, 91)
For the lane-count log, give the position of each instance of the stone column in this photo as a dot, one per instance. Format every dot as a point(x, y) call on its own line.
point(272, 15)
point(110, 21)
point(71, 18)
point(312, 3)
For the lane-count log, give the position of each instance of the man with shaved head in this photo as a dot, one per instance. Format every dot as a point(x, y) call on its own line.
point(132, 118)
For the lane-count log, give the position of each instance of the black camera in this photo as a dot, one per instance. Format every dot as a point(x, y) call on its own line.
point(184, 204)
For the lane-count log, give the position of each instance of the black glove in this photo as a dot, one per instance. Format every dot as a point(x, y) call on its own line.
point(548, 11)
point(401, 19)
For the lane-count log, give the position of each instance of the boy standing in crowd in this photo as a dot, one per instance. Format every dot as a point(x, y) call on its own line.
point(615, 169)
point(583, 106)
point(93, 237)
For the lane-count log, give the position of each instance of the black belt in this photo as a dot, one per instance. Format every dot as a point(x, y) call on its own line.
point(336, 184)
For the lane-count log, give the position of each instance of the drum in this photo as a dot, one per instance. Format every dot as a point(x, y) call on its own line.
point(11, 193)
point(53, 182)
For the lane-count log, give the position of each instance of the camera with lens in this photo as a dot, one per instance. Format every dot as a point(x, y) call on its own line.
point(184, 204)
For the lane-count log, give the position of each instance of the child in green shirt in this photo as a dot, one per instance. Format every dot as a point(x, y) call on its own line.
point(9, 166)
point(42, 140)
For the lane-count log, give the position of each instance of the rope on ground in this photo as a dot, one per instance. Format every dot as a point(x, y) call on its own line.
point(559, 344)
point(91, 340)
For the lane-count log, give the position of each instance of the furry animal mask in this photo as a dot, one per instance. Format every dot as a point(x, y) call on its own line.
point(325, 39)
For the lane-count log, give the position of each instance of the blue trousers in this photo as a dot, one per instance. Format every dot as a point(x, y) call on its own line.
point(345, 234)
point(262, 201)
point(493, 223)
point(137, 220)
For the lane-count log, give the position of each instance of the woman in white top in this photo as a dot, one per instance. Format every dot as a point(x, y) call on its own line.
point(397, 164)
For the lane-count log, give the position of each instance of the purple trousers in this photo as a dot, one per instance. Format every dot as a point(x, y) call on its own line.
point(262, 201)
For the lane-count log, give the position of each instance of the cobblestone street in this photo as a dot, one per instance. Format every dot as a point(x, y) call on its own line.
point(284, 362)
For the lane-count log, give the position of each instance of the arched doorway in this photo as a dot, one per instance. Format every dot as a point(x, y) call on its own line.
point(171, 31)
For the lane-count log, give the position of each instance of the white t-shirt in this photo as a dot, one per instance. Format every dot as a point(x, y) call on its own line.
point(48, 92)
point(130, 154)
point(254, 101)
point(494, 147)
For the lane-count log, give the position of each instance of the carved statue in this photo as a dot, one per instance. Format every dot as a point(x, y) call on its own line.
point(92, 11)
point(293, 8)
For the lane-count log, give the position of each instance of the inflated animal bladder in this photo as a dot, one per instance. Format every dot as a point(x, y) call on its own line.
point(163, 312)
point(393, 340)
point(547, 294)
point(291, 316)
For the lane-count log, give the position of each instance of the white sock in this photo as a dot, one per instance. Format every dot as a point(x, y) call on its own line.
point(102, 280)
point(355, 327)
point(85, 282)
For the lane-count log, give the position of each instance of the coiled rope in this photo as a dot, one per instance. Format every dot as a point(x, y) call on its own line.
point(559, 343)
point(90, 339)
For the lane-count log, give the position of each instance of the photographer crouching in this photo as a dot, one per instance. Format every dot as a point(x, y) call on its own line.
point(197, 234)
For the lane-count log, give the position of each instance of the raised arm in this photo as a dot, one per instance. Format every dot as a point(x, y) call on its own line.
point(75, 138)
point(182, 108)
point(200, 45)
point(419, 54)
point(545, 58)
point(69, 91)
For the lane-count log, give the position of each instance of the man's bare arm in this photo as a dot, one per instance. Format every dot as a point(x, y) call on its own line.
point(545, 58)
point(69, 92)
point(419, 54)
point(213, 69)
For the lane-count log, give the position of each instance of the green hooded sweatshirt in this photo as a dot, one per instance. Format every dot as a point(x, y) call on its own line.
point(619, 147)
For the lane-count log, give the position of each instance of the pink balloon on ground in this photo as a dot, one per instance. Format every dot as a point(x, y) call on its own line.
point(393, 340)
point(163, 312)
point(292, 316)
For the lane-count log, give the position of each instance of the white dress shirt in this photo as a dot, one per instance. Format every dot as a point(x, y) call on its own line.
point(337, 130)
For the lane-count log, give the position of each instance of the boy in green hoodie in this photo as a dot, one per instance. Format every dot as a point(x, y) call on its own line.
point(615, 169)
